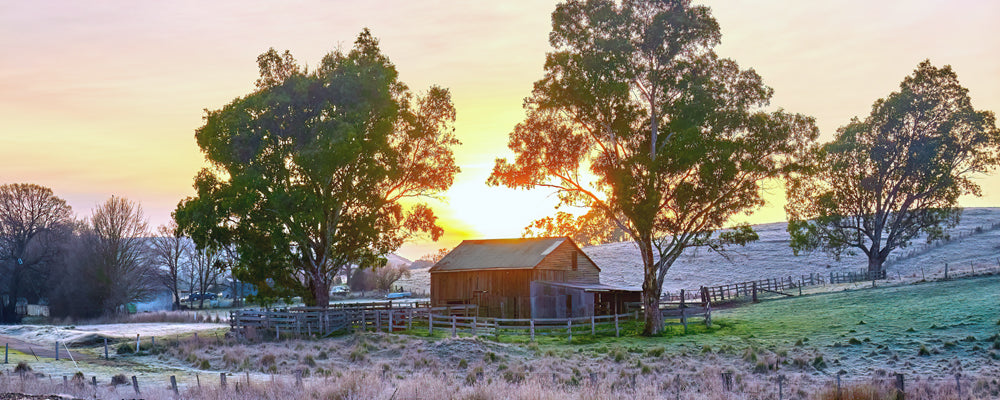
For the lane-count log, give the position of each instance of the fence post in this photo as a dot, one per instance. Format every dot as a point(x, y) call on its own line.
point(569, 328)
point(454, 327)
point(430, 321)
point(900, 386)
point(754, 291)
point(5, 347)
point(173, 384)
point(781, 380)
point(135, 384)
point(409, 319)
point(945, 271)
point(616, 326)
point(390, 320)
point(684, 320)
point(708, 315)
point(474, 323)
point(958, 384)
point(105, 348)
point(593, 329)
point(532, 329)
point(838, 387)
point(378, 320)
point(57, 350)
point(136, 343)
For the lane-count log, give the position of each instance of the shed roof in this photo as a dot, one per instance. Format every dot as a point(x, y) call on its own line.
point(593, 287)
point(498, 254)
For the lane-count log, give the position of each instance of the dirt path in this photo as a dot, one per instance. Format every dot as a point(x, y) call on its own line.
point(42, 351)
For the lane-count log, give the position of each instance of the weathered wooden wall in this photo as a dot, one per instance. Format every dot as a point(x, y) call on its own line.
point(558, 266)
point(508, 291)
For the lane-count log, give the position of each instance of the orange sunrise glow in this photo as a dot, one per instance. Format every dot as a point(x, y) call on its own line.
point(103, 98)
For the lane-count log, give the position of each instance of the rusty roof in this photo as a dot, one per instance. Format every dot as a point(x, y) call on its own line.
point(498, 254)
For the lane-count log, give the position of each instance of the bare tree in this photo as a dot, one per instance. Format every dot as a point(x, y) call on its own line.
point(33, 222)
point(384, 277)
point(120, 261)
point(206, 268)
point(169, 249)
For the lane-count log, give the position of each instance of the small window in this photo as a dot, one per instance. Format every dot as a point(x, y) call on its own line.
point(574, 261)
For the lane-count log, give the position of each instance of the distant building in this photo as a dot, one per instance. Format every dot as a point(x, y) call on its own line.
point(524, 278)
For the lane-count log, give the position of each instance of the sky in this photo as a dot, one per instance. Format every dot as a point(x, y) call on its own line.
point(102, 98)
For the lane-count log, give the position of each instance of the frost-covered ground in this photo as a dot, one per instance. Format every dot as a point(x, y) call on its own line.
point(90, 334)
point(771, 257)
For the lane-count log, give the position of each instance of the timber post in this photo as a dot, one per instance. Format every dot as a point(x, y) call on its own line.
point(754, 299)
point(569, 328)
point(532, 328)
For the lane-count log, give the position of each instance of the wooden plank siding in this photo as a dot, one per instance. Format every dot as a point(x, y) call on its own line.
point(558, 266)
point(508, 291)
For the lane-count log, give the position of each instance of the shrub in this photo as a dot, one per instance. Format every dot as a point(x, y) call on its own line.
point(310, 361)
point(125, 348)
point(119, 379)
point(854, 341)
point(322, 355)
point(22, 368)
point(923, 351)
point(204, 365)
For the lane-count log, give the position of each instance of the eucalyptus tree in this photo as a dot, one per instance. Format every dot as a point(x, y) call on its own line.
point(637, 118)
point(317, 170)
point(897, 174)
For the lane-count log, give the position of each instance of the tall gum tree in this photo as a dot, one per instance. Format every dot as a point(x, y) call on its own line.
point(316, 171)
point(637, 118)
point(895, 175)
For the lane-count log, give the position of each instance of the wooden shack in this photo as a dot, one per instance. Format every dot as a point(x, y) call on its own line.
point(524, 278)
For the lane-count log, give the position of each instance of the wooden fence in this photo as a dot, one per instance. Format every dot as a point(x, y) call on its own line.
point(733, 291)
point(856, 276)
point(304, 321)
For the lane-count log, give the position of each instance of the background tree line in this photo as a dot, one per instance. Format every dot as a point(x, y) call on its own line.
point(95, 265)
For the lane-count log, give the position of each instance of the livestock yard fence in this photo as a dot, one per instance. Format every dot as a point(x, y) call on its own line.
point(310, 321)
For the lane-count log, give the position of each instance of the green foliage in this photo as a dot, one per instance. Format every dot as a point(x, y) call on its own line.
point(896, 174)
point(923, 351)
point(314, 171)
point(637, 118)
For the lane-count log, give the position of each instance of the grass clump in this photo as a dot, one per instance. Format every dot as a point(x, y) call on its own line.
point(119, 379)
point(854, 342)
point(923, 351)
point(656, 351)
point(22, 368)
point(310, 361)
point(818, 362)
point(463, 363)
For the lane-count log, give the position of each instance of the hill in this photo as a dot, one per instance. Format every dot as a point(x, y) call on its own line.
point(975, 241)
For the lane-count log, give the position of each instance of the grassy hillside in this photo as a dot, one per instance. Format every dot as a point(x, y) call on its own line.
point(771, 257)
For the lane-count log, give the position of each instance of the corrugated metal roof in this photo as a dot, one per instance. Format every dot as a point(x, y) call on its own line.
point(593, 287)
point(498, 254)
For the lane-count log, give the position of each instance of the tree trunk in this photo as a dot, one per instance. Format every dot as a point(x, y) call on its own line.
point(651, 290)
point(876, 265)
point(320, 290)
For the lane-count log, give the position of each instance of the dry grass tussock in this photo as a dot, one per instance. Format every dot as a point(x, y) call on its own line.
point(384, 366)
point(372, 384)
